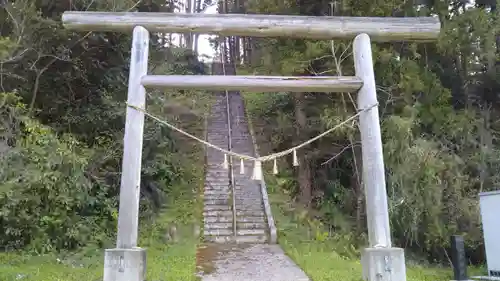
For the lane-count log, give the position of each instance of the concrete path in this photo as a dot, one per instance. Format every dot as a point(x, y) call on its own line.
point(257, 262)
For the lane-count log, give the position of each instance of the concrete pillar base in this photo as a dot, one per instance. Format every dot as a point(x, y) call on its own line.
point(383, 264)
point(125, 264)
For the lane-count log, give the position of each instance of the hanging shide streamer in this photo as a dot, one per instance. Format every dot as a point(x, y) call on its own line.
point(275, 167)
point(242, 167)
point(225, 165)
point(241, 156)
point(257, 171)
point(295, 159)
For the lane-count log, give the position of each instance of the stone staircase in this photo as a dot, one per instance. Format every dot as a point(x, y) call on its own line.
point(217, 212)
point(250, 216)
point(246, 223)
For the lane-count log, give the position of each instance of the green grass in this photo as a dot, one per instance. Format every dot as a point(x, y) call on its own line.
point(165, 260)
point(332, 258)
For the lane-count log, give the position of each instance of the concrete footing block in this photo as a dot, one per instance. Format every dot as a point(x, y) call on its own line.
point(383, 264)
point(125, 264)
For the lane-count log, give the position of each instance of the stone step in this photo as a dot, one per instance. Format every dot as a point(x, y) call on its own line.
point(213, 184)
point(241, 204)
point(218, 172)
point(216, 165)
point(221, 141)
point(216, 196)
point(247, 199)
point(216, 183)
point(227, 213)
point(239, 213)
point(249, 188)
point(229, 232)
point(218, 225)
point(245, 232)
point(247, 239)
point(218, 213)
point(217, 180)
point(247, 209)
point(249, 213)
point(209, 208)
point(256, 219)
point(224, 187)
point(211, 199)
point(219, 189)
point(250, 208)
point(216, 193)
point(229, 192)
point(246, 195)
point(251, 225)
point(209, 220)
point(218, 239)
point(226, 200)
point(218, 232)
point(239, 225)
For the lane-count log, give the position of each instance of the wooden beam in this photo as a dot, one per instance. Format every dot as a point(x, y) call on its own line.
point(254, 83)
point(128, 216)
point(371, 148)
point(382, 29)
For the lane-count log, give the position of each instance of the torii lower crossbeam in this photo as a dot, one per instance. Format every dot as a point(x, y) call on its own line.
point(381, 262)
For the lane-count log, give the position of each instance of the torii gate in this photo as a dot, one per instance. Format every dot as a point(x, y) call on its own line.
point(380, 260)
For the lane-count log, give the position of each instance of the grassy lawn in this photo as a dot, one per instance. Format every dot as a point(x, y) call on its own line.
point(332, 258)
point(165, 261)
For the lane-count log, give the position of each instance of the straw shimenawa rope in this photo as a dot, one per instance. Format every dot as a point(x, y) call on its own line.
point(257, 160)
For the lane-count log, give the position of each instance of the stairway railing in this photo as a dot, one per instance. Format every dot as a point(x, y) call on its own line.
point(230, 158)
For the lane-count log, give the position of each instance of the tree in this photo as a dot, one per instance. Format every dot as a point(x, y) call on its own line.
point(438, 100)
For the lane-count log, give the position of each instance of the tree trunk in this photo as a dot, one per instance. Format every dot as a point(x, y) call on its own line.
point(197, 36)
point(304, 168)
point(486, 145)
point(357, 184)
point(189, 36)
point(236, 46)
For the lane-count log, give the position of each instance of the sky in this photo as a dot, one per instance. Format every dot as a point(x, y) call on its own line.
point(204, 47)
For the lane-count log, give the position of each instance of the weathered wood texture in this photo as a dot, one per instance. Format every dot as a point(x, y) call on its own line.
point(377, 214)
point(380, 29)
point(128, 216)
point(254, 83)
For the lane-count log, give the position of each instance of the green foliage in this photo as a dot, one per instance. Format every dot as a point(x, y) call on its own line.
point(47, 201)
point(166, 261)
point(437, 100)
point(63, 124)
point(329, 255)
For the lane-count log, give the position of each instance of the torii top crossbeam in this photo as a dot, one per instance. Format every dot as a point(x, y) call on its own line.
point(380, 29)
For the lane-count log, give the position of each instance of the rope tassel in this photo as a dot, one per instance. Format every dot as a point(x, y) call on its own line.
point(225, 165)
point(242, 167)
point(295, 159)
point(275, 167)
point(257, 171)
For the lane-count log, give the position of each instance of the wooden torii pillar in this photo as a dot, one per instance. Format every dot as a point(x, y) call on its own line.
point(380, 260)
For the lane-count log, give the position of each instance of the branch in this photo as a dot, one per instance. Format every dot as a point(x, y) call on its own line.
point(341, 151)
point(53, 60)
